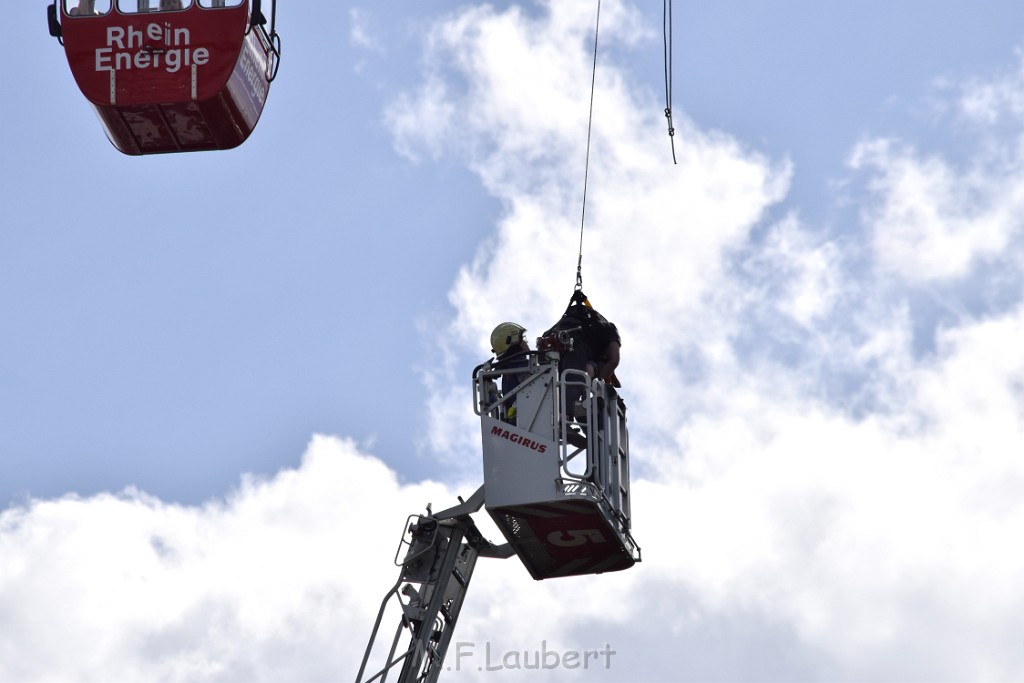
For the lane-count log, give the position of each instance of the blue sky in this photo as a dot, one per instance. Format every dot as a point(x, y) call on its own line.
point(180, 320)
point(226, 378)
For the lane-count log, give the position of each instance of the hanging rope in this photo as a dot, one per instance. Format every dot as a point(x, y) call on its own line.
point(586, 166)
point(275, 43)
point(666, 22)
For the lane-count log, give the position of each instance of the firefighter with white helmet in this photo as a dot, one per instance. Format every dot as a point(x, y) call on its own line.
point(508, 342)
point(505, 336)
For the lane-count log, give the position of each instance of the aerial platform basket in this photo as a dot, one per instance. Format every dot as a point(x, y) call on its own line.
point(556, 476)
point(558, 489)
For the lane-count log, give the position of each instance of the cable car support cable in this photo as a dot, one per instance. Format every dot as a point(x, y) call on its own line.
point(586, 166)
point(666, 21)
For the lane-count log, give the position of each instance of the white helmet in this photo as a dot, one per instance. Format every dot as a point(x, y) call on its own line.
point(505, 335)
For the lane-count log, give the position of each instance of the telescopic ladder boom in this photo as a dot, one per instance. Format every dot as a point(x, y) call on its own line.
point(440, 554)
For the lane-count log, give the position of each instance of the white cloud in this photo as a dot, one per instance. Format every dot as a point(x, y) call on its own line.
point(361, 33)
point(260, 586)
point(989, 101)
point(935, 218)
point(933, 223)
point(803, 275)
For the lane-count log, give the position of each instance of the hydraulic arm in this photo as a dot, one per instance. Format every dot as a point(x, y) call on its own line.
point(440, 554)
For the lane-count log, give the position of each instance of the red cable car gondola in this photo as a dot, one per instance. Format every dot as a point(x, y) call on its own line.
point(170, 75)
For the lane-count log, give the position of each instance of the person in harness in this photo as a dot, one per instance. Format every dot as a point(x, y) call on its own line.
point(587, 341)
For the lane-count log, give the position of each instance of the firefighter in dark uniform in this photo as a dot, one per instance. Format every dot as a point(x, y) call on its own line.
point(595, 342)
point(508, 342)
